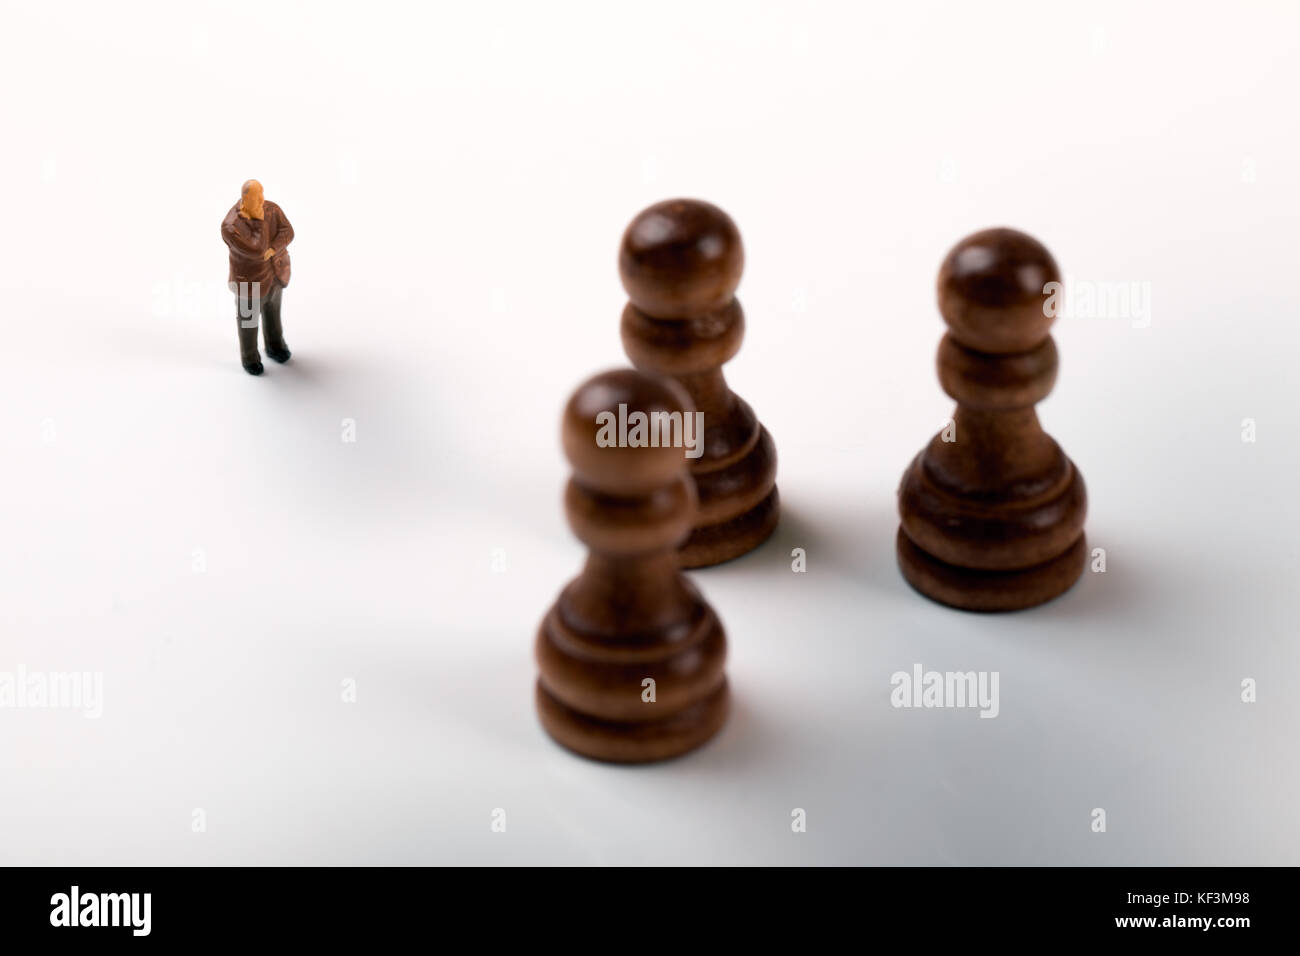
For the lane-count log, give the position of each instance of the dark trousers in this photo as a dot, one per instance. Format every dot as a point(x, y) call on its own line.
point(248, 309)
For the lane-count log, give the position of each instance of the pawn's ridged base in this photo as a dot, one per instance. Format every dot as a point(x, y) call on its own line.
point(641, 741)
point(975, 590)
point(715, 543)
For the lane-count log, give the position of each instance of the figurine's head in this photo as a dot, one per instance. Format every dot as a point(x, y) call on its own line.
point(251, 200)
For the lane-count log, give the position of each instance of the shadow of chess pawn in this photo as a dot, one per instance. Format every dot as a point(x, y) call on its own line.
point(680, 262)
point(992, 509)
point(631, 656)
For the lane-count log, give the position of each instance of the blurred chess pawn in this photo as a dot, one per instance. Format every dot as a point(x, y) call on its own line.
point(681, 262)
point(992, 509)
point(631, 656)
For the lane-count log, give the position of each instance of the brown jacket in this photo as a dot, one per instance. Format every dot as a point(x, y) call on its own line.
point(249, 239)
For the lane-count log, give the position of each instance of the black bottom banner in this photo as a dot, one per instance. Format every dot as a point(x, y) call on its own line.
point(95, 905)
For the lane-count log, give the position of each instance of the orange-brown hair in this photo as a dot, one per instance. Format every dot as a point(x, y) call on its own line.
point(251, 200)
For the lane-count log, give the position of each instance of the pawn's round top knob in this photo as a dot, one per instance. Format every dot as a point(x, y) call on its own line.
point(992, 291)
point(601, 438)
point(680, 259)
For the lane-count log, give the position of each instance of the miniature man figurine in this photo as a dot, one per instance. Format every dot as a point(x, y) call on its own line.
point(258, 233)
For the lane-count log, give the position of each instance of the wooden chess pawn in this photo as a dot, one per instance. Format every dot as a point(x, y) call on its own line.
point(631, 656)
point(680, 262)
point(992, 509)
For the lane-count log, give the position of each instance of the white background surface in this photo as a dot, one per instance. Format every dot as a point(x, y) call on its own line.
point(459, 178)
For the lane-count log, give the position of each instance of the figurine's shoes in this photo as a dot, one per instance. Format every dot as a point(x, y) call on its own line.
point(254, 369)
point(280, 355)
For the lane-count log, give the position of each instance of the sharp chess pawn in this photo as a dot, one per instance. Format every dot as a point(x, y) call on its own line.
point(680, 262)
point(992, 509)
point(631, 656)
